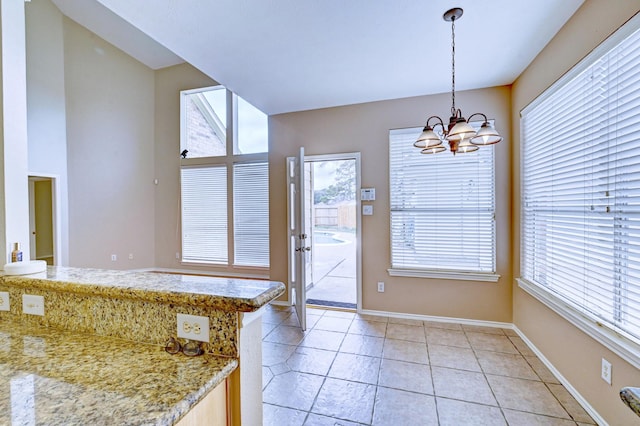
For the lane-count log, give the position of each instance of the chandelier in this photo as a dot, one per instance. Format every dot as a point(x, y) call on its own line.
point(460, 135)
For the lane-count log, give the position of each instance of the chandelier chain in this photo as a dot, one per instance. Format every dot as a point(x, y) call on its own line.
point(453, 66)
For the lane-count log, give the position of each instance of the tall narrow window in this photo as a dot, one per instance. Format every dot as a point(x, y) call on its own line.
point(581, 188)
point(441, 220)
point(224, 180)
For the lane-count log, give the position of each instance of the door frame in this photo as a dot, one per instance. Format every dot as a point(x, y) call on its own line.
point(56, 215)
point(356, 157)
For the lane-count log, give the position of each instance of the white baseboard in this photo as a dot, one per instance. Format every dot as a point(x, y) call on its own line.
point(464, 321)
point(583, 402)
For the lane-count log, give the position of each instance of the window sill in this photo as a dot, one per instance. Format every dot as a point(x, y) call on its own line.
point(619, 344)
point(445, 275)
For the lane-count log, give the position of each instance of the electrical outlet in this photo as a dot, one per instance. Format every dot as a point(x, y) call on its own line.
point(177, 255)
point(380, 287)
point(130, 256)
point(4, 300)
point(32, 304)
point(114, 257)
point(193, 327)
point(605, 372)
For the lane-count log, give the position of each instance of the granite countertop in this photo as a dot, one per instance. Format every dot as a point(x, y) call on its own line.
point(54, 377)
point(230, 294)
point(631, 397)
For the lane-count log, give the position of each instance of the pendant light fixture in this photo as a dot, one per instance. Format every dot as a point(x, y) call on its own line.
point(459, 134)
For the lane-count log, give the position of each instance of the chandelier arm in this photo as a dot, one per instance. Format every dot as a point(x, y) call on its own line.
point(478, 113)
point(440, 122)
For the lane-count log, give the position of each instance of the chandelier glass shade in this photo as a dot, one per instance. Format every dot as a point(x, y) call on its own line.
point(459, 134)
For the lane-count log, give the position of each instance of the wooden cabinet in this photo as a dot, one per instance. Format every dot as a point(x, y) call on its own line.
point(210, 411)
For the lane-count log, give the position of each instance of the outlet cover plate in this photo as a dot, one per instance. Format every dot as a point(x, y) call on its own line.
point(606, 371)
point(4, 301)
point(193, 327)
point(32, 304)
point(380, 287)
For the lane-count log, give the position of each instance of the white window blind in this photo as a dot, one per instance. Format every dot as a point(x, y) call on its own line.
point(580, 239)
point(251, 214)
point(204, 214)
point(442, 207)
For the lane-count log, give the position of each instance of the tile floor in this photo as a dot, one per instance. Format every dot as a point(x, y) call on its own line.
point(350, 369)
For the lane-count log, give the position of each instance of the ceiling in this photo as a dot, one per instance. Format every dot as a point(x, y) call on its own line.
point(293, 55)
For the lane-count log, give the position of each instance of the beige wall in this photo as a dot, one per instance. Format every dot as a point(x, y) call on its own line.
point(110, 153)
point(572, 352)
point(365, 128)
point(46, 112)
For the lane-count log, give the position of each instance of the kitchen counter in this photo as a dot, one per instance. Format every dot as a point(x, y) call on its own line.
point(230, 294)
point(55, 377)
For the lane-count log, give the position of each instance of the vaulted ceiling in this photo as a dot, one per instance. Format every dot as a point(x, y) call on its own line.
point(292, 55)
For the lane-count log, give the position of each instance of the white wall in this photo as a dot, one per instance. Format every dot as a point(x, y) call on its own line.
point(46, 112)
point(110, 153)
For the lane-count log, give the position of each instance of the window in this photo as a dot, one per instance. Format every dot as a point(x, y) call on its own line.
point(441, 223)
point(224, 180)
point(581, 191)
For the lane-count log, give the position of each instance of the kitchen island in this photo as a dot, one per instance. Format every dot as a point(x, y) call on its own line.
point(98, 350)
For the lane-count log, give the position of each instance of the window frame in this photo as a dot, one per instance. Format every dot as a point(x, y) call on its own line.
point(229, 161)
point(481, 276)
point(614, 339)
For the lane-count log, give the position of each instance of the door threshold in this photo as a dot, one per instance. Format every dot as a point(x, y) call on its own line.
point(329, 304)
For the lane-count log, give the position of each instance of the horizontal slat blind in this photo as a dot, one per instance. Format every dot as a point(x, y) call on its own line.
point(251, 214)
point(204, 214)
point(442, 207)
point(581, 188)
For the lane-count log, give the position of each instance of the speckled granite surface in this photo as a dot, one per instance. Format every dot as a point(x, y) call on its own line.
point(138, 306)
point(631, 397)
point(52, 377)
point(244, 295)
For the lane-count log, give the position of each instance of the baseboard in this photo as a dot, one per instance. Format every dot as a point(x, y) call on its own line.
point(583, 402)
point(464, 321)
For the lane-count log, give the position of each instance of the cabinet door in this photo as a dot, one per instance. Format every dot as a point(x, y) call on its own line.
point(211, 410)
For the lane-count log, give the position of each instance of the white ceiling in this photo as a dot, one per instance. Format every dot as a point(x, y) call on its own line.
point(292, 55)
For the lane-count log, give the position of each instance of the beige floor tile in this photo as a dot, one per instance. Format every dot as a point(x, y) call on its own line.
point(570, 404)
point(522, 347)
point(457, 413)
point(491, 342)
point(452, 357)
point(368, 328)
point(371, 318)
point(340, 314)
point(275, 353)
point(333, 324)
point(310, 360)
point(526, 395)
point(275, 316)
point(346, 400)
point(405, 376)
point(510, 332)
point(541, 370)
point(405, 321)
point(280, 368)
point(442, 324)
point(286, 335)
point(267, 375)
point(362, 345)
point(483, 329)
point(412, 333)
point(318, 420)
point(355, 368)
point(293, 390)
point(519, 418)
point(462, 385)
point(267, 327)
point(397, 407)
point(442, 336)
point(322, 339)
point(403, 350)
point(278, 416)
point(503, 364)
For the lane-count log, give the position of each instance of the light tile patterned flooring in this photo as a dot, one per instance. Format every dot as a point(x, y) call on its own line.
point(350, 369)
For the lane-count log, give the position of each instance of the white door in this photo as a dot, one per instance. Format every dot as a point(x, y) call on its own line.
point(297, 238)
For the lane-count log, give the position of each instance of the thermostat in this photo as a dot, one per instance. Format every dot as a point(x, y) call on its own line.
point(367, 194)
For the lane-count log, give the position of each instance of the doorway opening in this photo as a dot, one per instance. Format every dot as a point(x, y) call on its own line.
point(42, 219)
point(332, 223)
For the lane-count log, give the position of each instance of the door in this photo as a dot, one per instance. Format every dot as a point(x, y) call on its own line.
point(297, 237)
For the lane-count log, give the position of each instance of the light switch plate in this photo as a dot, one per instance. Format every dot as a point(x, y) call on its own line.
point(32, 304)
point(4, 301)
